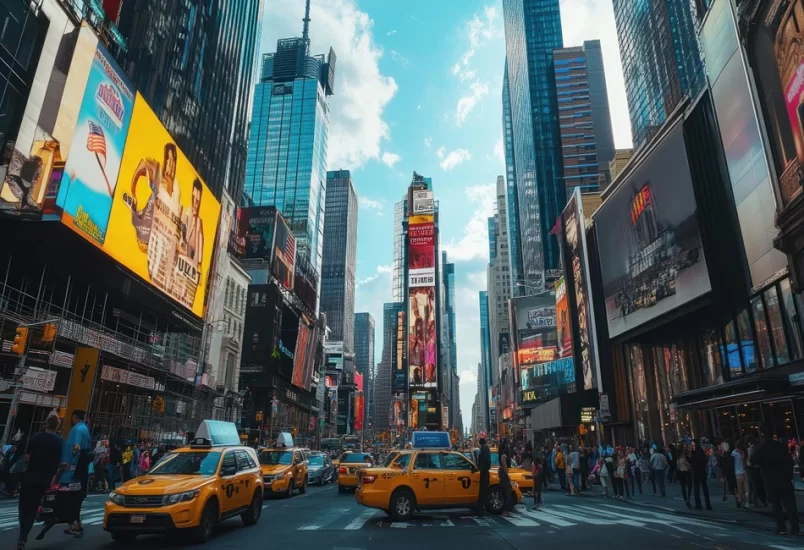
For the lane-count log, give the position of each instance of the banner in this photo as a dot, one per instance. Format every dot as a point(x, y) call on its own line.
point(302, 354)
point(546, 381)
point(163, 220)
point(39, 379)
point(563, 324)
point(90, 175)
point(81, 381)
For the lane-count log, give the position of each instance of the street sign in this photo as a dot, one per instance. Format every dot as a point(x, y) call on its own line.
point(587, 414)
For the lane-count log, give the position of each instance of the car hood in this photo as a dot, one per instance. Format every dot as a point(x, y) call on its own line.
point(163, 484)
point(274, 469)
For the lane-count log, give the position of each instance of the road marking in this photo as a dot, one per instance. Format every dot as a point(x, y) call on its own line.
point(484, 522)
point(402, 525)
point(520, 522)
point(447, 523)
point(360, 521)
point(548, 518)
point(310, 528)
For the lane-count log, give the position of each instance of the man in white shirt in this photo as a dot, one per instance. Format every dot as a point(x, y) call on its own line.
point(658, 463)
point(742, 478)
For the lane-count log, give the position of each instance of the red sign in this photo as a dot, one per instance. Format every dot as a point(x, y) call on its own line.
point(359, 381)
point(421, 250)
point(531, 356)
point(640, 202)
point(359, 412)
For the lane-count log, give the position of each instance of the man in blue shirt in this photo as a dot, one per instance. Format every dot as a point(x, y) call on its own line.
point(74, 469)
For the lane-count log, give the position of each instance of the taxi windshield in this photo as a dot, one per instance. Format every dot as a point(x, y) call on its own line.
point(317, 460)
point(272, 458)
point(203, 463)
point(355, 458)
point(389, 459)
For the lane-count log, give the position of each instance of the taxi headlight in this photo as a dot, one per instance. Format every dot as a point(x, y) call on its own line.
point(117, 498)
point(279, 477)
point(181, 497)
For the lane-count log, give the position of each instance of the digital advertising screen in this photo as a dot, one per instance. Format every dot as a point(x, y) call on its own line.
point(284, 253)
point(164, 218)
point(422, 305)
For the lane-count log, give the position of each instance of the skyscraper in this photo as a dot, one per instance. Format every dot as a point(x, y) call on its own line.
point(287, 152)
point(485, 345)
point(398, 270)
point(340, 258)
point(587, 144)
point(364, 355)
point(514, 248)
point(662, 61)
point(449, 367)
point(382, 384)
point(193, 62)
point(532, 32)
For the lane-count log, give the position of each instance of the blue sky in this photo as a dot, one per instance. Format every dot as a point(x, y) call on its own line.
point(418, 87)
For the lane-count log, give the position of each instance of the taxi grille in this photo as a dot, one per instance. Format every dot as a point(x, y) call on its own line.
point(268, 479)
point(140, 501)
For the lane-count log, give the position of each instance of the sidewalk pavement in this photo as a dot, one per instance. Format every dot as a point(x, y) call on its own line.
point(760, 517)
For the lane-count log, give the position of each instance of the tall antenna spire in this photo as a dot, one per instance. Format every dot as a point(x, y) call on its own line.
point(306, 33)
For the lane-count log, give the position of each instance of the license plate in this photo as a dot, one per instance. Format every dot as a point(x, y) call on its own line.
point(137, 519)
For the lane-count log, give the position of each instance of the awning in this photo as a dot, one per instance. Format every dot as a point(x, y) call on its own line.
point(754, 387)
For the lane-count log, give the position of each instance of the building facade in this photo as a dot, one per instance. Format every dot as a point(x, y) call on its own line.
point(485, 348)
point(340, 258)
point(532, 32)
point(587, 143)
point(514, 246)
point(449, 349)
point(287, 148)
point(202, 94)
point(661, 58)
point(364, 359)
point(398, 269)
point(621, 158)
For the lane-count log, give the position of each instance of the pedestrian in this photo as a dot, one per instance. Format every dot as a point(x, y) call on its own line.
point(740, 475)
point(621, 475)
point(606, 478)
point(135, 461)
point(756, 488)
point(43, 456)
point(145, 462)
point(75, 460)
point(635, 474)
point(560, 468)
point(538, 476)
point(101, 466)
point(644, 467)
point(584, 470)
point(115, 466)
point(505, 482)
point(575, 463)
point(684, 473)
point(776, 468)
point(671, 462)
point(699, 462)
point(128, 455)
point(728, 479)
point(483, 466)
point(658, 464)
point(17, 470)
point(566, 451)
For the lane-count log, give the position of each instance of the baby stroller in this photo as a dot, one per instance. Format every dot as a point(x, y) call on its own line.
point(59, 505)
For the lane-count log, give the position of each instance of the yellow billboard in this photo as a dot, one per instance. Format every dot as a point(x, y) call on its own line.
point(163, 220)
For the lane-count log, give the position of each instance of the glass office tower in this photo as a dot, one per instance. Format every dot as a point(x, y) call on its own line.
point(193, 62)
point(485, 337)
point(515, 252)
point(287, 154)
point(532, 32)
point(662, 61)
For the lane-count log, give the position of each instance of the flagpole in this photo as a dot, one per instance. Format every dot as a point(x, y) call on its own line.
point(105, 178)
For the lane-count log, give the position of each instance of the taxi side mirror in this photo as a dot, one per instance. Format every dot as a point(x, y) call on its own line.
point(474, 468)
point(228, 470)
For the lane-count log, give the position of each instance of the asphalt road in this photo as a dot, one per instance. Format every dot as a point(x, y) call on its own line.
point(324, 519)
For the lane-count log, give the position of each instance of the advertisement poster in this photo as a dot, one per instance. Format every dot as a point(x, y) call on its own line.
point(546, 381)
point(300, 359)
point(534, 323)
point(421, 251)
point(399, 378)
point(563, 325)
point(286, 348)
point(90, 175)
point(253, 237)
point(398, 414)
point(358, 413)
point(651, 254)
point(422, 338)
point(284, 255)
point(790, 61)
point(305, 282)
point(423, 202)
point(163, 220)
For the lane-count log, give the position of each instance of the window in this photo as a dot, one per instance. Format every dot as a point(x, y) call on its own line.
point(455, 462)
point(732, 349)
point(777, 327)
point(427, 461)
point(403, 461)
point(746, 334)
point(244, 461)
point(229, 461)
point(761, 328)
point(791, 319)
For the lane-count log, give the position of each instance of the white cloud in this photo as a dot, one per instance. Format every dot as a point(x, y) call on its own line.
point(391, 32)
point(382, 271)
point(399, 58)
point(594, 20)
point(499, 150)
point(373, 292)
point(479, 31)
point(477, 91)
point(418, 107)
point(428, 141)
point(453, 158)
point(474, 244)
point(385, 269)
point(440, 152)
point(369, 204)
point(362, 92)
point(390, 158)
point(469, 378)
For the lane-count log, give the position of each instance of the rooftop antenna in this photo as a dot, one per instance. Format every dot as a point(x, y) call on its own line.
point(306, 33)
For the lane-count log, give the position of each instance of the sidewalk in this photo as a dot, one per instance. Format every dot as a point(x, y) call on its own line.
point(722, 512)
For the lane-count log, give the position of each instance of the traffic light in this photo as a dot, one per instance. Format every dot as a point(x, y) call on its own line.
point(20, 340)
point(295, 431)
point(49, 332)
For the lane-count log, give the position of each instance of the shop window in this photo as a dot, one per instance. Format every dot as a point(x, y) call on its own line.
point(776, 326)
point(746, 334)
point(712, 363)
point(761, 327)
point(732, 349)
point(791, 319)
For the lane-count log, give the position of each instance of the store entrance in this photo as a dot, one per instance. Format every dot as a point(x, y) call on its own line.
point(736, 422)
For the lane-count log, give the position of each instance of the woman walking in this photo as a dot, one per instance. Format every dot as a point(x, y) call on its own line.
point(699, 461)
point(684, 473)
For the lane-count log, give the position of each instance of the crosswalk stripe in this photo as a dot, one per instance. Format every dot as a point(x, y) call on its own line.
point(402, 525)
point(310, 528)
point(360, 521)
point(545, 516)
point(519, 522)
point(483, 522)
point(674, 519)
point(587, 517)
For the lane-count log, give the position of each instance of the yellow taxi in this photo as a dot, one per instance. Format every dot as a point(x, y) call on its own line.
point(284, 467)
point(429, 476)
point(190, 490)
point(348, 467)
point(523, 477)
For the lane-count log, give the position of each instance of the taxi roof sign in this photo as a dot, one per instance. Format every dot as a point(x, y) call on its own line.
point(284, 439)
point(218, 432)
point(431, 440)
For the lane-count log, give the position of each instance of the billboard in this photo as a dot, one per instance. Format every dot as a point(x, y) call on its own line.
point(305, 282)
point(302, 356)
point(93, 165)
point(574, 225)
point(563, 324)
point(651, 253)
point(422, 331)
point(163, 220)
point(534, 325)
point(399, 378)
point(421, 252)
point(286, 343)
point(423, 202)
point(545, 381)
point(284, 253)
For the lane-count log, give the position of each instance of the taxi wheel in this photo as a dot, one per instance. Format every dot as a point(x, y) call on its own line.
point(403, 503)
point(252, 515)
point(495, 501)
point(291, 486)
point(206, 526)
point(303, 488)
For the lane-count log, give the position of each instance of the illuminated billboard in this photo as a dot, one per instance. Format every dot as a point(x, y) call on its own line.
point(284, 253)
point(422, 304)
point(163, 219)
point(261, 233)
point(399, 379)
point(93, 164)
point(563, 323)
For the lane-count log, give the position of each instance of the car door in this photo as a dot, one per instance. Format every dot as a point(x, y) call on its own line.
point(228, 483)
point(427, 478)
point(244, 488)
point(461, 478)
point(299, 473)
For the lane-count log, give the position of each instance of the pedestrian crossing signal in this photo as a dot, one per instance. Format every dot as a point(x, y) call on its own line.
point(20, 339)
